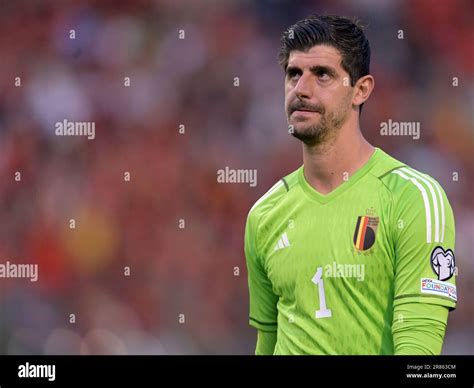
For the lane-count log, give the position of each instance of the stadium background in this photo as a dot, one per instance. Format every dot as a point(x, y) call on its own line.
point(135, 224)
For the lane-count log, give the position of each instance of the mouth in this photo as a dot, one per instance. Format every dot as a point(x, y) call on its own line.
point(304, 112)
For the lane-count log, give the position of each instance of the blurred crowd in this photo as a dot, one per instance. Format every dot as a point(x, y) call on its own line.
point(154, 264)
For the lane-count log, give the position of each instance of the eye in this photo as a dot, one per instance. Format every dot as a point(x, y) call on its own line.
point(293, 74)
point(323, 76)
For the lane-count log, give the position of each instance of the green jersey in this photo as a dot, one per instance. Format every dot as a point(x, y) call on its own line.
point(327, 271)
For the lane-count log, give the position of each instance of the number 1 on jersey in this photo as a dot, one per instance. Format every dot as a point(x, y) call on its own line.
point(323, 312)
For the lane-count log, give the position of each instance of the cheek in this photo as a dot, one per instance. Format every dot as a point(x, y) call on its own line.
point(348, 94)
point(288, 97)
point(337, 100)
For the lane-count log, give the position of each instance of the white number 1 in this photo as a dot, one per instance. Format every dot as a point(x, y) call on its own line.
point(323, 312)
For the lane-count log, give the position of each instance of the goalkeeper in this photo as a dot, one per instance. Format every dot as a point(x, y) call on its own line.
point(352, 253)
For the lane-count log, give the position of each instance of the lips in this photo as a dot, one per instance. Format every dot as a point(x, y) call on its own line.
point(303, 111)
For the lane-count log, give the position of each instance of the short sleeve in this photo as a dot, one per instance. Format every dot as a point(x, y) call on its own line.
point(263, 301)
point(424, 242)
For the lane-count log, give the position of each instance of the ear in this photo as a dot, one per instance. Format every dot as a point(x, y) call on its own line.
point(363, 88)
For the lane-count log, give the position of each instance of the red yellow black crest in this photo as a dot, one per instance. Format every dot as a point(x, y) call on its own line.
point(364, 235)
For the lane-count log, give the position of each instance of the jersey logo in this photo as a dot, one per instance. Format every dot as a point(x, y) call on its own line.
point(364, 235)
point(443, 263)
point(283, 242)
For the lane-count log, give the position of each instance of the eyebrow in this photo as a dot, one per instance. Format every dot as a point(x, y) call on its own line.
point(314, 69)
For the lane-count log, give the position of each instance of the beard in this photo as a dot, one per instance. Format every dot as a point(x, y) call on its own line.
point(321, 131)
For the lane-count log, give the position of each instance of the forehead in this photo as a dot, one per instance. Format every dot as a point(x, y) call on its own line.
point(320, 55)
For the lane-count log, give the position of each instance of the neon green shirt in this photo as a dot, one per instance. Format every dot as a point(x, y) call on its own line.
point(327, 271)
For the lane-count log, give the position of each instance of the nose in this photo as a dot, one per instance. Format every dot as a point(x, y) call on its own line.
point(303, 88)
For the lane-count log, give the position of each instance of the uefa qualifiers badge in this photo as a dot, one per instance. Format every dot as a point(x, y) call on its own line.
point(443, 263)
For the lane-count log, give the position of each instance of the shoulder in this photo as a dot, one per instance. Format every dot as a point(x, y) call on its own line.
point(403, 181)
point(419, 198)
point(273, 196)
point(408, 184)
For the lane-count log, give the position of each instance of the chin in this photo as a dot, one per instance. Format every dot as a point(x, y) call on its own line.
point(306, 128)
point(306, 133)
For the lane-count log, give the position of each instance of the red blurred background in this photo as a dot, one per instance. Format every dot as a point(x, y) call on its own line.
point(187, 289)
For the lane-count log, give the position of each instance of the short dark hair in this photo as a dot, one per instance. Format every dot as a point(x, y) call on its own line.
point(344, 34)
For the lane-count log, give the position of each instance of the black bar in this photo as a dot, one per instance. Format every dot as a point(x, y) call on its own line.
point(240, 371)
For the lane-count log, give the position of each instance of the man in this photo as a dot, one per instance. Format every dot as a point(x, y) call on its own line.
point(353, 253)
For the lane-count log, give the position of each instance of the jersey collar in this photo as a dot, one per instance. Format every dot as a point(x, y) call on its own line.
point(325, 198)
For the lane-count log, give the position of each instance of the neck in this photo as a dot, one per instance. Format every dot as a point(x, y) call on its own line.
point(328, 165)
